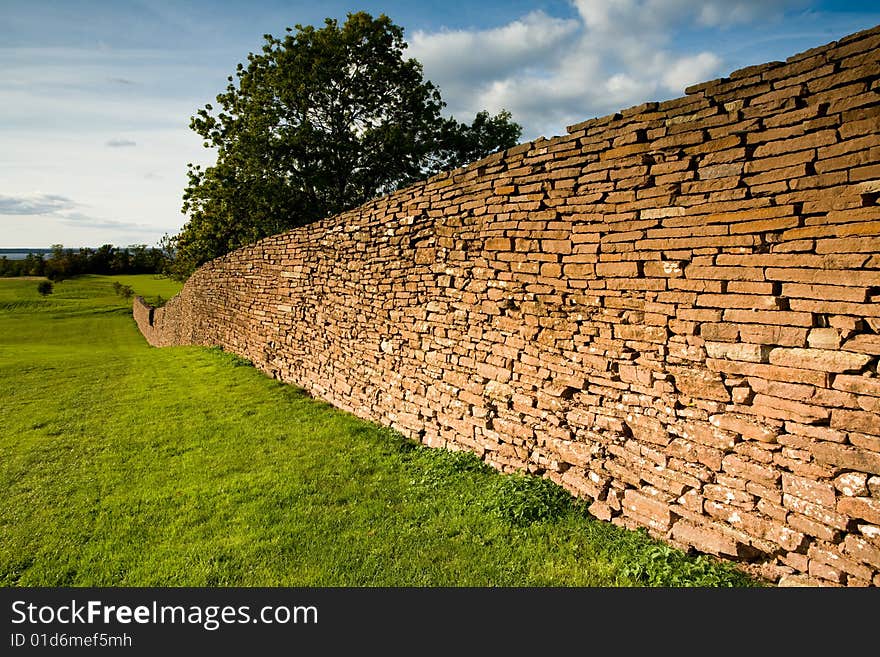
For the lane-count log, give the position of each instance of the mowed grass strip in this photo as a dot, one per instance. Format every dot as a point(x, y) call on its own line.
point(124, 465)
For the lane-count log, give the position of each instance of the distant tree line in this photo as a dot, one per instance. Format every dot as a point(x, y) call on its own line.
point(64, 263)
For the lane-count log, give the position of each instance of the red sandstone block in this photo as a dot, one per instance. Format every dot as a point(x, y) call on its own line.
point(772, 317)
point(862, 550)
point(601, 510)
point(787, 538)
point(836, 307)
point(579, 271)
point(770, 406)
point(767, 178)
point(621, 269)
point(852, 484)
point(749, 301)
point(728, 213)
point(648, 429)
point(829, 292)
point(732, 152)
point(621, 473)
point(744, 427)
point(789, 117)
point(865, 508)
point(689, 243)
point(820, 493)
point(663, 269)
point(811, 527)
point(725, 273)
point(861, 421)
point(668, 485)
point(867, 173)
point(556, 246)
point(509, 428)
point(864, 344)
point(848, 245)
point(499, 244)
point(740, 467)
point(681, 139)
point(688, 231)
point(657, 334)
point(760, 370)
point(827, 517)
point(777, 133)
point(849, 146)
point(795, 262)
point(829, 276)
point(790, 391)
point(572, 452)
point(710, 435)
point(792, 162)
point(848, 161)
point(700, 384)
point(801, 581)
point(825, 360)
point(765, 225)
point(522, 245)
point(853, 458)
point(812, 140)
point(729, 496)
point(705, 538)
point(753, 353)
point(719, 331)
point(749, 524)
point(870, 443)
point(637, 503)
point(857, 384)
point(625, 151)
point(845, 98)
point(825, 572)
point(829, 179)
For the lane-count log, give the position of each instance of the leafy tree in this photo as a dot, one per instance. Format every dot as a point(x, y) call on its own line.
point(318, 122)
point(44, 287)
point(460, 143)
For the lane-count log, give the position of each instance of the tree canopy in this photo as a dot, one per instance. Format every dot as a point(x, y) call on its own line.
point(319, 122)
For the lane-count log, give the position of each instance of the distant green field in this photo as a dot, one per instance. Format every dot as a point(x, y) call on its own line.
point(124, 465)
point(150, 287)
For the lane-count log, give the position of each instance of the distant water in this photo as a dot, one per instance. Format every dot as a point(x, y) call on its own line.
point(21, 254)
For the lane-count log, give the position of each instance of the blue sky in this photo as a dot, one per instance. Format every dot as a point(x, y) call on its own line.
point(96, 96)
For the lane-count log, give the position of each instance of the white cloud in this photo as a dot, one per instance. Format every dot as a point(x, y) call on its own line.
point(551, 72)
point(499, 51)
point(120, 143)
point(102, 195)
point(63, 209)
point(34, 204)
point(81, 220)
point(686, 71)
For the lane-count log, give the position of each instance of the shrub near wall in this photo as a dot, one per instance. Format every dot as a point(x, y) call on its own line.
point(671, 311)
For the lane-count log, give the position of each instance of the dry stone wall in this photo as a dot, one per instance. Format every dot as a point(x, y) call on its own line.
point(672, 311)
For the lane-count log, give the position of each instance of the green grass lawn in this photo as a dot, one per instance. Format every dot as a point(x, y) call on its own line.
point(124, 465)
point(151, 288)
